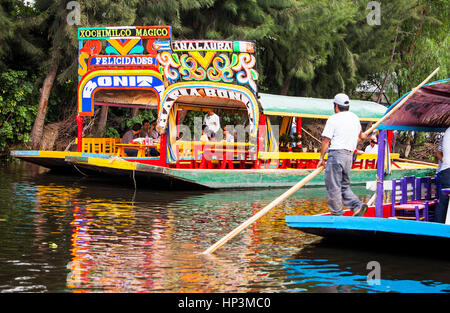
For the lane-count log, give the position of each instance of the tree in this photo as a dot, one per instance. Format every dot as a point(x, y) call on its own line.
point(16, 108)
point(424, 45)
point(61, 46)
point(301, 40)
point(52, 24)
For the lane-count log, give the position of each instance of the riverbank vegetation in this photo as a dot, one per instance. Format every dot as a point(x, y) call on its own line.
point(305, 48)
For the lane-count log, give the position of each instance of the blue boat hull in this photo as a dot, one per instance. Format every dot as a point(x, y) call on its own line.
point(371, 229)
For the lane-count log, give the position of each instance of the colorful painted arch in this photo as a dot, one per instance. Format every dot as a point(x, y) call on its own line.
point(96, 80)
point(208, 94)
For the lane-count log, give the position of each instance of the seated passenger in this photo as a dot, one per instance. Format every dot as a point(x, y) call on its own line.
point(153, 132)
point(227, 136)
point(372, 148)
point(145, 131)
point(204, 136)
point(129, 136)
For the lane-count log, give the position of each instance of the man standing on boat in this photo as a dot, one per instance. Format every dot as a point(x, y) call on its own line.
point(444, 177)
point(340, 136)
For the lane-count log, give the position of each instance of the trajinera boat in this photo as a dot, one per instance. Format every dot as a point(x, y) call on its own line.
point(405, 208)
point(143, 68)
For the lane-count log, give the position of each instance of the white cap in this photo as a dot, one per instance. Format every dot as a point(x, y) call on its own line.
point(342, 99)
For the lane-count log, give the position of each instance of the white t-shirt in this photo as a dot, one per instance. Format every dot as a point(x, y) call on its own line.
point(213, 122)
point(371, 150)
point(446, 150)
point(343, 129)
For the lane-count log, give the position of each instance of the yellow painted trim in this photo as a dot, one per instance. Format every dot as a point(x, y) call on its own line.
point(312, 156)
point(57, 154)
point(289, 155)
point(112, 163)
point(405, 165)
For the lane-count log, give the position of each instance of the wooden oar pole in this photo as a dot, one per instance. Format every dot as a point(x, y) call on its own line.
point(263, 211)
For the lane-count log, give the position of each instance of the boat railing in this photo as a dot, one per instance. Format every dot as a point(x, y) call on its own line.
point(203, 155)
point(208, 155)
point(100, 145)
point(310, 160)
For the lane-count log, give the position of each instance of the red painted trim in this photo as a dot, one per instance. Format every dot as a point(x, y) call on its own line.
point(163, 150)
point(140, 106)
point(80, 133)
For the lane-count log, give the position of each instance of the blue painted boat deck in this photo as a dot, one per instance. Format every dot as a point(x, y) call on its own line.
point(368, 226)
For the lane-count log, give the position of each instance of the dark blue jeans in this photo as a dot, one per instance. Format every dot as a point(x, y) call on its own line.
point(441, 209)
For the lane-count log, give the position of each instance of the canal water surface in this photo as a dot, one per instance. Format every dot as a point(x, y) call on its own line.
point(69, 234)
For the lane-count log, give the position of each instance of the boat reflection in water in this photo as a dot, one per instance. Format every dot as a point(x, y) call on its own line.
point(120, 247)
point(74, 236)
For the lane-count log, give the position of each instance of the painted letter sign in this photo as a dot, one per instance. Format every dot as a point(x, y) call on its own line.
point(213, 45)
point(104, 60)
point(120, 32)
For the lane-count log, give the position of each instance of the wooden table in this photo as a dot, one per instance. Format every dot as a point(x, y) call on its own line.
point(141, 148)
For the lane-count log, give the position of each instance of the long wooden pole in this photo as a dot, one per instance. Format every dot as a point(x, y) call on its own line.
point(305, 180)
point(263, 211)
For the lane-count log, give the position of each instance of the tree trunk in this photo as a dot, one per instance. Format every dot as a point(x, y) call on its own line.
point(38, 126)
point(102, 122)
point(408, 146)
point(389, 68)
point(286, 84)
point(134, 112)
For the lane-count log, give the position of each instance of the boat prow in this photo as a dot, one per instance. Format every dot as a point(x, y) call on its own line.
point(371, 229)
point(120, 170)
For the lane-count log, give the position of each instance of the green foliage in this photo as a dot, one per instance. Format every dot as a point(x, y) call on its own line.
point(16, 109)
point(305, 48)
point(111, 132)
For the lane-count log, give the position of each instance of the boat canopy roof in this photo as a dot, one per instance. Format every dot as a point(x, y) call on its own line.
point(426, 110)
point(316, 108)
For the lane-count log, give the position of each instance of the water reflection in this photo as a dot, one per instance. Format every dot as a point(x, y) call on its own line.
point(59, 234)
point(328, 269)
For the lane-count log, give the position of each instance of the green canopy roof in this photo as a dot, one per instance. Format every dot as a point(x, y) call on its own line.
point(316, 108)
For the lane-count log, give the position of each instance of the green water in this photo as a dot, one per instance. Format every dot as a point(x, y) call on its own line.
point(69, 234)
